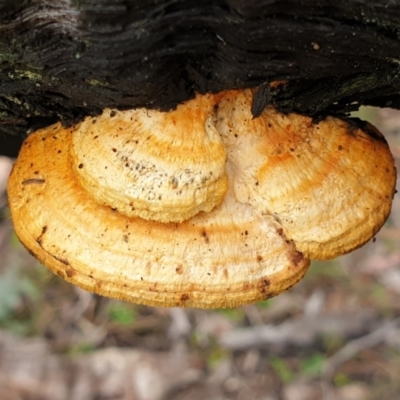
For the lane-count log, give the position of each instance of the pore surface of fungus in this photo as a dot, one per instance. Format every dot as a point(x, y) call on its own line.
point(329, 184)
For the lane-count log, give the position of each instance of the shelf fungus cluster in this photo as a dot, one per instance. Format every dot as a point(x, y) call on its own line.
point(203, 206)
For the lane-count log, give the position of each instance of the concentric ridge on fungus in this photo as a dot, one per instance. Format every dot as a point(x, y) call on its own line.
point(295, 188)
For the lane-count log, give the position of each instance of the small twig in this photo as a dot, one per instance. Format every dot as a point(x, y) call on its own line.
point(352, 348)
point(253, 314)
point(180, 323)
point(301, 331)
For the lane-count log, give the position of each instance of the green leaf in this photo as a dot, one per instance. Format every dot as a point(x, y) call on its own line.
point(313, 365)
point(121, 313)
point(282, 369)
point(341, 379)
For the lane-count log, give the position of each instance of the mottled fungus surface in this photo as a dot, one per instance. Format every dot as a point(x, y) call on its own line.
point(200, 207)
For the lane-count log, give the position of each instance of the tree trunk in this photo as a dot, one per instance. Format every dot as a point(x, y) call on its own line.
point(62, 60)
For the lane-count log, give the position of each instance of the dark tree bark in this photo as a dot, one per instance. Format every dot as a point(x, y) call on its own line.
point(62, 60)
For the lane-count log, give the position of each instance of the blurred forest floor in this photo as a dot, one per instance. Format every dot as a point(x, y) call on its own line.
point(334, 336)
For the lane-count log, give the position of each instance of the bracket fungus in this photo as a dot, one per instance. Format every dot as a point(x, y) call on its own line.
point(200, 207)
point(160, 166)
point(329, 184)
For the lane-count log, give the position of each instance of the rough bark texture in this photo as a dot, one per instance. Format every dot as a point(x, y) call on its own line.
point(62, 60)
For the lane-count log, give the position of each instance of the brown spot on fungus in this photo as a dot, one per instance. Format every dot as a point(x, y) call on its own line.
point(264, 286)
point(70, 272)
point(179, 269)
point(205, 236)
point(33, 181)
point(62, 260)
point(40, 237)
point(297, 257)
